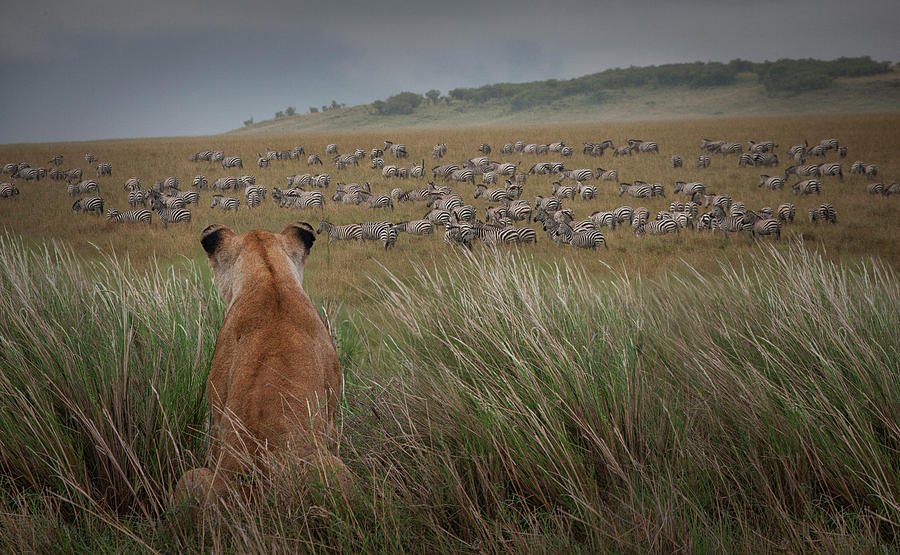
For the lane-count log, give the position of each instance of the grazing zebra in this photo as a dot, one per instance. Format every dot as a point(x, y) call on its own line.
point(831, 168)
point(643, 190)
point(871, 170)
point(565, 151)
point(518, 210)
point(371, 231)
point(797, 151)
point(737, 209)
point(677, 162)
point(584, 174)
point(711, 147)
point(760, 147)
point(349, 232)
point(225, 203)
point(731, 148)
point(817, 150)
point(721, 201)
point(380, 201)
point(89, 204)
point(496, 213)
point(583, 239)
point(298, 152)
point(766, 226)
point(842, 151)
point(129, 216)
point(299, 180)
point(461, 176)
point(322, 181)
point(621, 151)
point(305, 199)
point(492, 235)
point(507, 148)
point(484, 149)
point(541, 168)
point(446, 202)
point(703, 161)
point(418, 171)
point(104, 168)
point(439, 150)
point(746, 159)
point(232, 162)
point(771, 183)
point(587, 192)
point(388, 171)
point(857, 167)
point(507, 169)
point(398, 150)
point(786, 212)
point(548, 204)
point(806, 187)
point(824, 212)
point(86, 186)
point(262, 161)
point(829, 144)
point(313, 160)
point(89, 158)
point(809, 170)
point(766, 212)
point(765, 159)
point(418, 227)
point(728, 224)
point(74, 173)
point(462, 234)
point(438, 217)
point(526, 234)
point(643, 146)
point(200, 182)
point(331, 149)
point(875, 188)
point(489, 178)
point(138, 197)
point(377, 163)
point(892, 189)
point(388, 236)
point(563, 191)
point(8, 190)
point(189, 197)
point(604, 218)
point(173, 215)
point(132, 184)
point(444, 171)
point(626, 214)
point(466, 213)
point(225, 183)
point(689, 189)
point(341, 161)
point(607, 175)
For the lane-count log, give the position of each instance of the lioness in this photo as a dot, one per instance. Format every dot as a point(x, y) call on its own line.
point(275, 379)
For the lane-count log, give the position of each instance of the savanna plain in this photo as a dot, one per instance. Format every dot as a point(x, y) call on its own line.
point(689, 391)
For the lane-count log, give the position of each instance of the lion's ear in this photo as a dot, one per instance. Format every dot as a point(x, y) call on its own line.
point(301, 232)
point(214, 237)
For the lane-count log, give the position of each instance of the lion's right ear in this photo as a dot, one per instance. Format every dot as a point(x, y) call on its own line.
point(214, 237)
point(303, 232)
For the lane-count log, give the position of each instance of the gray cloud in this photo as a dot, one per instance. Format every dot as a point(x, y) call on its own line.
point(103, 68)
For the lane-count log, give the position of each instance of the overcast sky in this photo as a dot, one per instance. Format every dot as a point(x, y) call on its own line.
point(95, 69)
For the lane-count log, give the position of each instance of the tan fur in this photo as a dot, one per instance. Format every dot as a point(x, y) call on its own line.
point(275, 381)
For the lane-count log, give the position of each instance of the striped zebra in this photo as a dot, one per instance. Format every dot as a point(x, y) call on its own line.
point(74, 174)
point(418, 227)
point(875, 188)
point(746, 159)
point(808, 170)
point(563, 191)
point(225, 203)
point(518, 210)
point(507, 148)
point(565, 151)
point(446, 202)
point(818, 151)
point(548, 204)
point(526, 234)
point(677, 161)
point(438, 217)
point(489, 178)
point(299, 180)
point(786, 212)
point(766, 212)
point(492, 235)
point(138, 197)
point(89, 158)
point(307, 199)
point(232, 162)
point(380, 201)
point(484, 149)
point(765, 159)
point(728, 224)
point(771, 182)
point(626, 214)
point(621, 151)
point(737, 209)
point(349, 232)
point(29, 174)
point(797, 152)
point(57, 174)
point(341, 161)
point(842, 151)
point(541, 168)
point(721, 201)
point(493, 214)
point(388, 237)
point(689, 189)
point(173, 216)
point(371, 231)
point(892, 189)
point(166, 201)
point(584, 174)
point(225, 183)
point(466, 175)
point(531, 148)
point(766, 226)
point(857, 167)
point(376, 153)
point(262, 161)
point(199, 182)
point(584, 239)
point(605, 218)
point(417, 170)
point(829, 144)
point(760, 147)
point(86, 186)
point(189, 197)
point(607, 175)
point(439, 151)
point(89, 204)
point(644, 190)
point(8, 190)
point(413, 195)
point(831, 168)
point(444, 170)
point(643, 146)
point(313, 160)
point(377, 163)
point(331, 149)
point(703, 161)
point(297, 152)
point(466, 213)
point(824, 212)
point(711, 147)
point(731, 148)
point(462, 234)
point(389, 171)
point(398, 149)
point(129, 216)
point(322, 181)
point(131, 184)
point(871, 170)
point(806, 187)
point(587, 192)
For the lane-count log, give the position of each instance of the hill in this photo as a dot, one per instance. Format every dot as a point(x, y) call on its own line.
point(673, 91)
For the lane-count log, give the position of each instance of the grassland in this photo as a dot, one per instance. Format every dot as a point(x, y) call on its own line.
point(687, 392)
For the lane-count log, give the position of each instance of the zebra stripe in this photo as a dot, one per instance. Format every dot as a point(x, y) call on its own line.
point(731, 148)
point(806, 187)
point(771, 183)
point(104, 168)
point(438, 217)
point(786, 212)
point(875, 188)
point(418, 227)
point(138, 197)
point(439, 150)
point(824, 212)
point(703, 161)
point(689, 189)
point(607, 175)
point(584, 174)
point(398, 150)
point(371, 231)
point(129, 216)
point(466, 213)
point(8, 190)
point(767, 226)
point(832, 168)
point(225, 203)
point(225, 183)
point(677, 162)
point(461, 176)
point(313, 160)
point(349, 232)
point(563, 191)
point(232, 162)
point(462, 234)
point(89, 204)
point(643, 190)
point(388, 236)
point(173, 215)
point(587, 192)
point(331, 148)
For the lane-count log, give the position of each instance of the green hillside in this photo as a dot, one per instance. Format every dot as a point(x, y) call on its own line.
point(671, 91)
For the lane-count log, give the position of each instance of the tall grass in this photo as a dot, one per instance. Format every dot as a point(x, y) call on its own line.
point(491, 404)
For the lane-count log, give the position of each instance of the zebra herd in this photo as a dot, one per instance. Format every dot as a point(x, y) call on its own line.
point(507, 216)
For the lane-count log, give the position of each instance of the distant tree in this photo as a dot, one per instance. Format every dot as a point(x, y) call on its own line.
point(324, 107)
point(335, 105)
point(290, 110)
point(248, 122)
point(379, 106)
point(313, 110)
point(433, 95)
point(402, 103)
point(279, 114)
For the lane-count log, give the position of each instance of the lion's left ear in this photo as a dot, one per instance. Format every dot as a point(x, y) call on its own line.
point(301, 232)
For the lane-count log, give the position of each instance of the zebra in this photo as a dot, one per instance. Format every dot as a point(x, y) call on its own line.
point(677, 161)
point(388, 236)
point(262, 161)
point(806, 187)
point(824, 212)
point(89, 204)
point(371, 231)
point(225, 183)
point(377, 163)
point(349, 232)
point(604, 218)
point(189, 197)
point(703, 161)
point(643, 146)
point(376, 153)
point(584, 174)
point(86, 186)
point(541, 168)
point(380, 201)
point(871, 170)
point(462, 234)
point(389, 171)
point(104, 168)
point(721, 201)
point(842, 151)
point(89, 158)
point(484, 149)
point(418, 227)
point(417, 171)
point(607, 175)
point(643, 190)
point(200, 182)
point(173, 215)
point(587, 192)
point(74, 173)
point(689, 189)
point(466, 213)
point(809, 170)
point(829, 144)
point(546, 204)
point(760, 147)
point(232, 162)
point(626, 214)
point(711, 147)
point(731, 148)
point(621, 151)
point(746, 159)
point(398, 150)
point(444, 170)
point(518, 210)
point(225, 203)
point(438, 217)
point(129, 216)
point(492, 235)
point(461, 176)
point(497, 213)
point(766, 226)
point(322, 181)
point(131, 184)
point(765, 159)
point(507, 148)
point(313, 160)
point(308, 199)
point(489, 178)
point(8, 190)
point(56, 160)
point(341, 161)
point(298, 152)
point(797, 152)
point(737, 209)
point(584, 239)
point(446, 202)
point(331, 149)
point(526, 234)
point(729, 224)
point(138, 197)
point(818, 150)
point(875, 188)
point(892, 189)
point(564, 151)
point(786, 212)
point(831, 168)
point(299, 180)
point(563, 191)
point(771, 183)
point(439, 150)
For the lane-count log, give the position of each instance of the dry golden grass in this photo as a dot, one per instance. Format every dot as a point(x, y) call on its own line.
point(867, 224)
